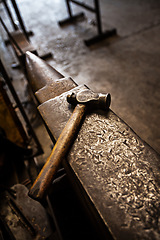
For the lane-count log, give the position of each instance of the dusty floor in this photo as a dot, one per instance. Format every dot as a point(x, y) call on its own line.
point(127, 66)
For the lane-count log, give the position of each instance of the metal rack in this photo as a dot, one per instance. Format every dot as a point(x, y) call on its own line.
point(96, 9)
point(19, 18)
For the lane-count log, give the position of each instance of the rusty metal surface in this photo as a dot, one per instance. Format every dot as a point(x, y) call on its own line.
point(54, 89)
point(39, 73)
point(121, 175)
point(86, 99)
point(118, 171)
point(56, 111)
point(22, 42)
point(26, 218)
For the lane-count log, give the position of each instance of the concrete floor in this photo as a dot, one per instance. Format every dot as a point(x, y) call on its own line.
point(127, 66)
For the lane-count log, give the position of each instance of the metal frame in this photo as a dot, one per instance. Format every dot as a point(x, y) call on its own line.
point(10, 37)
point(101, 35)
point(19, 17)
point(21, 57)
point(9, 14)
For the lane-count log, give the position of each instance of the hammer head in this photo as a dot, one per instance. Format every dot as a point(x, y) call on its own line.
point(91, 99)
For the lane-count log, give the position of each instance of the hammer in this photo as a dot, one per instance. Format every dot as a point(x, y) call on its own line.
point(83, 101)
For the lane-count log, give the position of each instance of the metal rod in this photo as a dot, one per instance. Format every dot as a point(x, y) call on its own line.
point(10, 14)
point(10, 36)
point(98, 16)
point(15, 96)
point(83, 5)
point(69, 8)
point(95, 10)
point(19, 18)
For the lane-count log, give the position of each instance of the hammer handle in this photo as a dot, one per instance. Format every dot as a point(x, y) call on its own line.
point(46, 176)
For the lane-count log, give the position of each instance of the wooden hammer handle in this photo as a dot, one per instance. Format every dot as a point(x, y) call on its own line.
point(45, 177)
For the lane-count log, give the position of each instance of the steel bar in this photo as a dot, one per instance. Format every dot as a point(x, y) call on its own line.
point(100, 37)
point(98, 16)
point(9, 14)
point(19, 18)
point(10, 37)
point(69, 8)
point(18, 102)
point(83, 5)
point(71, 19)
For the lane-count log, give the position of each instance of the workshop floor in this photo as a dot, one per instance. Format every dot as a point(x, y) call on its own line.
point(127, 66)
